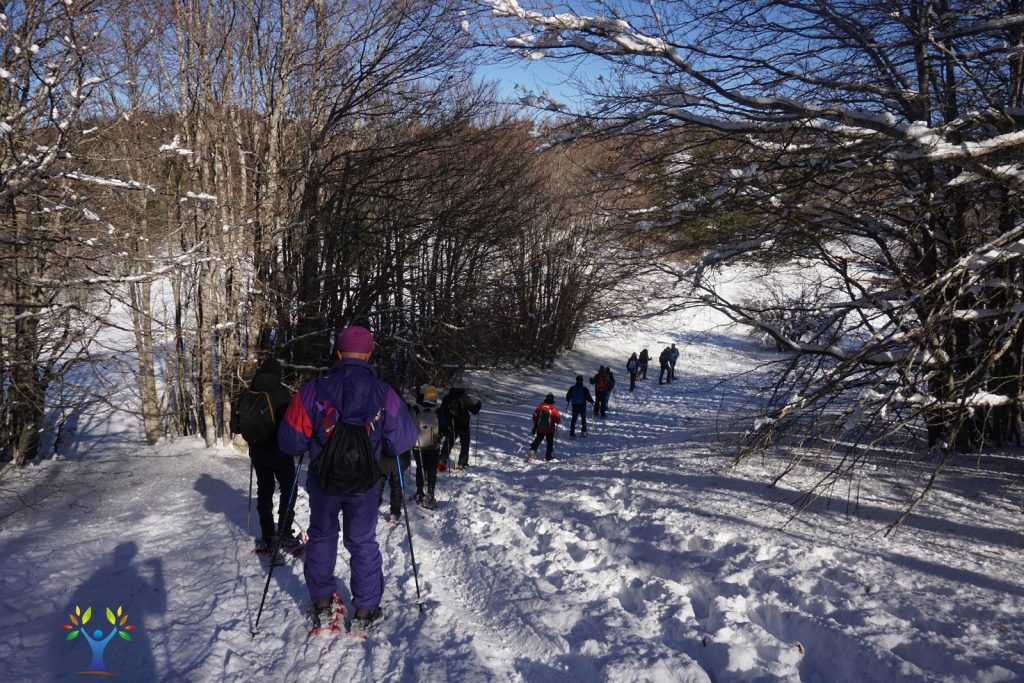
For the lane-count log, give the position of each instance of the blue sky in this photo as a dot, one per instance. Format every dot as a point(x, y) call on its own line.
point(554, 76)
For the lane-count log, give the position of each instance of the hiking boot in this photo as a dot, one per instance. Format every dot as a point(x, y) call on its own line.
point(264, 545)
point(547, 458)
point(532, 455)
point(572, 435)
point(418, 498)
point(288, 542)
point(365, 620)
point(393, 519)
point(429, 502)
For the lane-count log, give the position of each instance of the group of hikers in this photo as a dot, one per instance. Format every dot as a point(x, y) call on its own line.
point(360, 436)
point(546, 416)
point(636, 366)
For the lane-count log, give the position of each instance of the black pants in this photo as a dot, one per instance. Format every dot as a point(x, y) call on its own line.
point(271, 466)
point(389, 476)
point(665, 371)
point(600, 402)
point(426, 468)
point(643, 369)
point(632, 382)
point(550, 436)
point(578, 411)
point(462, 434)
point(672, 371)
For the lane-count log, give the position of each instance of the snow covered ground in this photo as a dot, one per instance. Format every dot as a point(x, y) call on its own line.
point(638, 555)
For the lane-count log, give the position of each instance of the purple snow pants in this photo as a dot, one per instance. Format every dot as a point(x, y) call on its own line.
point(359, 533)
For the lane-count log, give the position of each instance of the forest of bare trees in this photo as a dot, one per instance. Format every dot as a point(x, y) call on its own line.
point(877, 145)
point(228, 180)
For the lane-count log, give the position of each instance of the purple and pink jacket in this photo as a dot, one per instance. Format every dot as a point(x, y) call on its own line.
point(353, 386)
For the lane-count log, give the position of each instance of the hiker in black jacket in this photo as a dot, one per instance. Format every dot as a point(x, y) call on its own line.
point(268, 461)
point(457, 408)
point(666, 372)
point(644, 359)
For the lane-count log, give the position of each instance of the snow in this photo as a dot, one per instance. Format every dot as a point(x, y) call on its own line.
point(175, 146)
point(637, 555)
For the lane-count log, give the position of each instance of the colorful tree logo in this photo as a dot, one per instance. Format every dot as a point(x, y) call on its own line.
point(97, 641)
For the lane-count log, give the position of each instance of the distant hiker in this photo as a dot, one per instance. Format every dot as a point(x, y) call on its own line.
point(632, 367)
point(457, 407)
point(389, 477)
point(578, 397)
point(644, 359)
point(673, 356)
point(603, 383)
point(256, 415)
point(336, 417)
point(427, 451)
point(545, 418)
point(611, 387)
point(665, 370)
point(597, 392)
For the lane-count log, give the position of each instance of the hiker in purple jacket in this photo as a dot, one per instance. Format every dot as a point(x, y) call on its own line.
point(352, 388)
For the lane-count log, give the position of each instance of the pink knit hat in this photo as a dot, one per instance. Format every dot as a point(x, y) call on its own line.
point(354, 339)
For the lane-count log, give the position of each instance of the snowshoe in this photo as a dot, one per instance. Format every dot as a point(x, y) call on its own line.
point(288, 542)
point(327, 619)
point(362, 625)
point(264, 545)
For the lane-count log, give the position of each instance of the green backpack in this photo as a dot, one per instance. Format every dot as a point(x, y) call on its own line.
point(544, 421)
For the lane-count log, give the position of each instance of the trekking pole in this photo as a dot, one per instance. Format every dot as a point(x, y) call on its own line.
point(248, 516)
point(266, 586)
point(408, 529)
point(476, 455)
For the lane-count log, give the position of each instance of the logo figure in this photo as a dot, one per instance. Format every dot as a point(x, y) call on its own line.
point(97, 641)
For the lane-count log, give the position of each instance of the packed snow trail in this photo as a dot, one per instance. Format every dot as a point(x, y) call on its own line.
point(637, 555)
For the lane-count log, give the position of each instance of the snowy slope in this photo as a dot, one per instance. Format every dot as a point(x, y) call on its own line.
point(638, 555)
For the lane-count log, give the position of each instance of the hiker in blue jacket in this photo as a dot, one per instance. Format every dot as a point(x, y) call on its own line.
point(352, 392)
point(632, 367)
point(578, 397)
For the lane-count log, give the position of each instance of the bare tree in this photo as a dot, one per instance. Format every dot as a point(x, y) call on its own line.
point(878, 142)
point(53, 249)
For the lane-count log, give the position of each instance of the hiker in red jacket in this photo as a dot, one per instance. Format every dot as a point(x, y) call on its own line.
point(545, 417)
